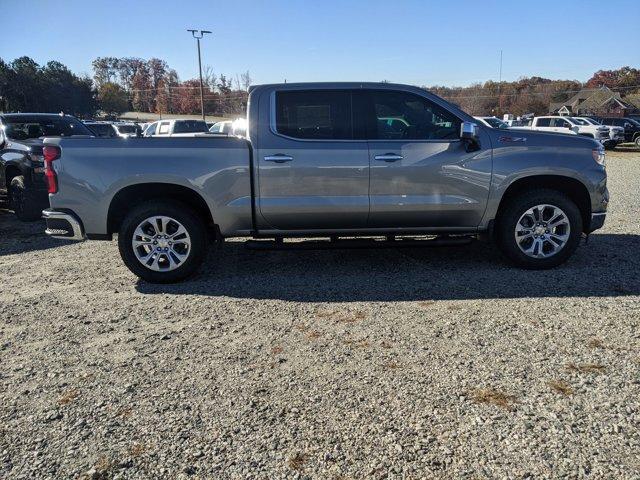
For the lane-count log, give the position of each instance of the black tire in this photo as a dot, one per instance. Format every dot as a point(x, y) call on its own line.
point(516, 207)
point(637, 141)
point(22, 201)
point(182, 213)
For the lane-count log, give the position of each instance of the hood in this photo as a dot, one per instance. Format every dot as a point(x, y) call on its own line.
point(531, 138)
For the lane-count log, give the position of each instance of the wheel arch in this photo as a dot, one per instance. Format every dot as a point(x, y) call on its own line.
point(132, 195)
point(11, 171)
point(571, 187)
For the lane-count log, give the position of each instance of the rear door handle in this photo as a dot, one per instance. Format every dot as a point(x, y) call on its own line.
point(278, 158)
point(388, 157)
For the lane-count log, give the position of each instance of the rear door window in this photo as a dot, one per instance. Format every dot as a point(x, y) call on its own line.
point(543, 122)
point(314, 114)
point(164, 128)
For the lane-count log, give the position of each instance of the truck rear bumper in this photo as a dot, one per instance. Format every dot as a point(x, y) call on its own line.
point(63, 225)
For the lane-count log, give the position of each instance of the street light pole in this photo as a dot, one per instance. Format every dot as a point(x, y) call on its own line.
point(198, 34)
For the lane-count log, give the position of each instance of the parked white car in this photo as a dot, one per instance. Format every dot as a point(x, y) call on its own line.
point(176, 128)
point(237, 127)
point(616, 134)
point(570, 126)
point(493, 122)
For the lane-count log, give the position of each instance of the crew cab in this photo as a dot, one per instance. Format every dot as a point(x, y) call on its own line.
point(329, 160)
point(175, 128)
point(22, 180)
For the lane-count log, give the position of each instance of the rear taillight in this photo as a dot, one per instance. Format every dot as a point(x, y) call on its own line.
point(50, 155)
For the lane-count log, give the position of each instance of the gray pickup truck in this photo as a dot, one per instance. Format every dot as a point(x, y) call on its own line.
point(329, 160)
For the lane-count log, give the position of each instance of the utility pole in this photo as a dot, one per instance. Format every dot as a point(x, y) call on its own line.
point(500, 84)
point(198, 34)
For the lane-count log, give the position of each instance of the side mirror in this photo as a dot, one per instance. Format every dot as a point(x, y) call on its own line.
point(470, 137)
point(469, 131)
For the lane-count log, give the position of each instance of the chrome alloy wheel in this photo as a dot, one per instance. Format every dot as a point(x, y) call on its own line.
point(542, 231)
point(161, 243)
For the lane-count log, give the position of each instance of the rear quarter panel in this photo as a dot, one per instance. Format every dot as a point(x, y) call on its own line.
point(92, 171)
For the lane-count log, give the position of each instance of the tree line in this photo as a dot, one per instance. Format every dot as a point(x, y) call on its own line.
point(533, 94)
point(131, 83)
point(152, 86)
point(26, 86)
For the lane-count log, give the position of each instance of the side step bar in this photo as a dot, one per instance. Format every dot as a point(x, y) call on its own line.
point(354, 243)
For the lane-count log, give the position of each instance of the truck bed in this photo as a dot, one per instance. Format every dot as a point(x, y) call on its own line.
point(92, 170)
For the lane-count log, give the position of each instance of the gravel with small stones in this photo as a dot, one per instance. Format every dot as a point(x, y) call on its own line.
point(397, 363)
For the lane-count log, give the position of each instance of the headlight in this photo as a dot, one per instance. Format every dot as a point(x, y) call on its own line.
point(598, 155)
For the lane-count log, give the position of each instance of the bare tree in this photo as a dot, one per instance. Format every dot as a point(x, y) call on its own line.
point(209, 78)
point(245, 81)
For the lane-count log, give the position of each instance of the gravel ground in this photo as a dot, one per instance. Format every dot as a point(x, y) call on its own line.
point(400, 363)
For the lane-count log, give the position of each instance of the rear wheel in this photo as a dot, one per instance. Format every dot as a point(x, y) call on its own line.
point(162, 242)
point(637, 141)
point(22, 201)
point(539, 229)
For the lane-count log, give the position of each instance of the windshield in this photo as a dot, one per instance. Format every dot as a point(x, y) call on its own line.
point(591, 121)
point(23, 127)
point(127, 128)
point(633, 122)
point(190, 126)
point(496, 122)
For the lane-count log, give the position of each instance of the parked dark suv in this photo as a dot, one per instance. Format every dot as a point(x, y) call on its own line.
point(22, 177)
point(631, 127)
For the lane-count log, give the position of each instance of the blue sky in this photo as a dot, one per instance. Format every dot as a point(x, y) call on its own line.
point(453, 42)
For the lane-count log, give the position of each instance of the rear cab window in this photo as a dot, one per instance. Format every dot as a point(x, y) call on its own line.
point(314, 114)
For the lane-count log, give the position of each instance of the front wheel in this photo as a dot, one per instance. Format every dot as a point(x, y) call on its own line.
point(539, 229)
point(163, 242)
point(637, 141)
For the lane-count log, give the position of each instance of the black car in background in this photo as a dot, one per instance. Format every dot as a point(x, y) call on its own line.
point(102, 129)
point(630, 125)
point(22, 178)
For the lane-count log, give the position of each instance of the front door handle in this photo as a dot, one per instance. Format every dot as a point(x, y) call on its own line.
point(278, 158)
point(388, 157)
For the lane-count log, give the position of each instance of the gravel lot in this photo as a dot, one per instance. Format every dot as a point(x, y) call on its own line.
point(402, 363)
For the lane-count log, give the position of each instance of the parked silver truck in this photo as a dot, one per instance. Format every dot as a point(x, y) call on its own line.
point(329, 160)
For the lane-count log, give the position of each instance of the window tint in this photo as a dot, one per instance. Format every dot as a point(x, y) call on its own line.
point(190, 126)
point(543, 122)
point(151, 129)
point(321, 114)
point(22, 127)
point(404, 116)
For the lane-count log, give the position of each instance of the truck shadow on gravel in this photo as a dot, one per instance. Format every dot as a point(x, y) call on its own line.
point(607, 266)
point(21, 237)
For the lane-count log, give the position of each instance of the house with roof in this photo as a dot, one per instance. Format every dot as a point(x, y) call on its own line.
point(594, 101)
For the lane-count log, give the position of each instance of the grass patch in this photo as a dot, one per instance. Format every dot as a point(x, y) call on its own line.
point(137, 449)
point(586, 368)
point(341, 317)
point(297, 461)
point(68, 396)
point(595, 343)
point(492, 396)
point(561, 387)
